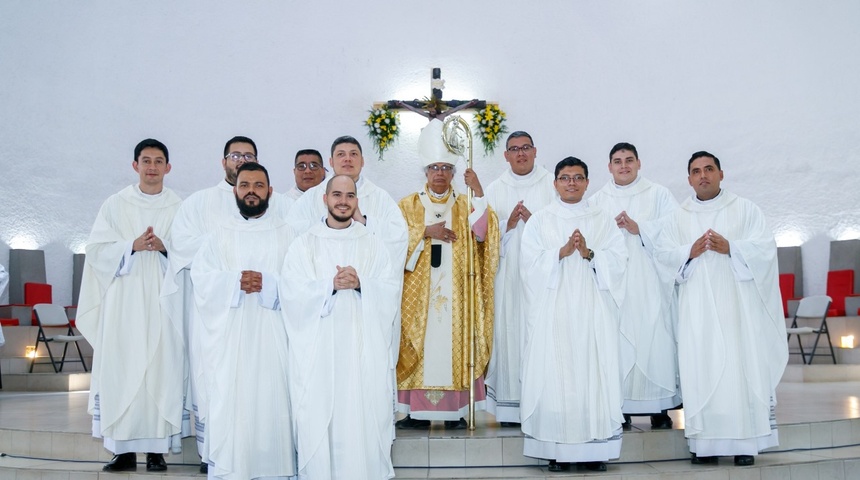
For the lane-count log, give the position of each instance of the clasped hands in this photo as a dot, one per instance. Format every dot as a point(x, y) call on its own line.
point(149, 241)
point(346, 278)
point(520, 212)
point(251, 281)
point(576, 243)
point(709, 240)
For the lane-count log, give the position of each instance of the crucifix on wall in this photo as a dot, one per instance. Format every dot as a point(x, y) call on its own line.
point(434, 106)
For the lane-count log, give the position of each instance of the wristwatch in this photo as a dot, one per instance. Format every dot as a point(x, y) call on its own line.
point(590, 256)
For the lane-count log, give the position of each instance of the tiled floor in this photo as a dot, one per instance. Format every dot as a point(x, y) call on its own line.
point(808, 414)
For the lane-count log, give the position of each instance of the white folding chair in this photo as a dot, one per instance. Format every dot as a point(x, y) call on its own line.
point(812, 311)
point(53, 316)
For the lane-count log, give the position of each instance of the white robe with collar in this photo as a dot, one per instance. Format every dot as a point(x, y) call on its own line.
point(340, 369)
point(249, 423)
point(137, 372)
point(731, 331)
point(648, 355)
point(571, 397)
point(535, 190)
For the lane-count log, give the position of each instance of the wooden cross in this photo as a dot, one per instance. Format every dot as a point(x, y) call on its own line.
point(435, 107)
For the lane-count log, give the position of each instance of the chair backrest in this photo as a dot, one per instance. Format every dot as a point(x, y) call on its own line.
point(786, 290)
point(813, 306)
point(37, 293)
point(840, 284)
point(50, 315)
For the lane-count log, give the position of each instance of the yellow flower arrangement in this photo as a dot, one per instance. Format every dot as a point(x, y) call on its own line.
point(491, 127)
point(383, 128)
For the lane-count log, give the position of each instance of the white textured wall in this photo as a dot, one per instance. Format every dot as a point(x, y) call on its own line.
point(768, 86)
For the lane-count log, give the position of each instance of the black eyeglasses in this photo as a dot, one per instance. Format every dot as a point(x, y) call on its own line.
point(524, 149)
point(243, 157)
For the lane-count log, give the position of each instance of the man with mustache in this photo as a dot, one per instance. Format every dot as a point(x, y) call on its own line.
point(308, 171)
point(343, 299)
point(720, 252)
point(235, 275)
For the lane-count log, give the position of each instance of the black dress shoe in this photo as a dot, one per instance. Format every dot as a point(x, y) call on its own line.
point(511, 424)
point(744, 460)
point(661, 422)
point(697, 460)
point(124, 462)
point(558, 466)
point(595, 466)
point(626, 424)
point(456, 424)
point(204, 467)
point(155, 462)
point(410, 423)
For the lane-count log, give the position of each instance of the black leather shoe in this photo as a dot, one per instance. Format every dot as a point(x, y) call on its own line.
point(558, 466)
point(697, 460)
point(595, 466)
point(661, 422)
point(155, 462)
point(744, 460)
point(626, 424)
point(511, 424)
point(456, 424)
point(204, 467)
point(124, 462)
point(410, 423)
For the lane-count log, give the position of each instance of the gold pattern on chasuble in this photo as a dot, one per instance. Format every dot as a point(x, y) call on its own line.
point(434, 396)
point(416, 297)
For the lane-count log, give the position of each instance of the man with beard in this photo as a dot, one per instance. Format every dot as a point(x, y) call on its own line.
point(648, 356)
point(137, 385)
point(343, 297)
point(572, 263)
point(235, 275)
point(731, 330)
point(198, 216)
point(309, 172)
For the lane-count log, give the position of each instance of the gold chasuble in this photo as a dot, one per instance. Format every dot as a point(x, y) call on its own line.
point(418, 299)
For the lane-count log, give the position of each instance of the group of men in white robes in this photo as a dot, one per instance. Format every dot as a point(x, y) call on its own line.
point(581, 308)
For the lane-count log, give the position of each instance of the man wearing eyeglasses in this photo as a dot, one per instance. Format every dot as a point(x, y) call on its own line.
point(572, 263)
point(198, 216)
point(649, 358)
point(309, 172)
point(721, 253)
point(137, 380)
point(522, 189)
point(433, 368)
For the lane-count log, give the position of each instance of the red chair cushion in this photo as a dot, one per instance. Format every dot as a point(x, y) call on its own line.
point(786, 290)
point(9, 322)
point(840, 284)
point(37, 293)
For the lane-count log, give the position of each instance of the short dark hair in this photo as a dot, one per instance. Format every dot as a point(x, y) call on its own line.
point(345, 139)
point(239, 139)
point(701, 154)
point(252, 167)
point(331, 180)
point(308, 151)
point(571, 162)
point(518, 134)
point(151, 143)
point(623, 146)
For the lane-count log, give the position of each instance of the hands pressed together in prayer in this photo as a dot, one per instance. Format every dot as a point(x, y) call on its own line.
point(439, 232)
point(624, 221)
point(520, 212)
point(148, 242)
point(576, 243)
point(251, 281)
point(346, 278)
point(471, 179)
point(710, 240)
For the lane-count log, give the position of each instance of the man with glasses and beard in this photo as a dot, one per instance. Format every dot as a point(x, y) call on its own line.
point(235, 276)
point(308, 170)
point(343, 296)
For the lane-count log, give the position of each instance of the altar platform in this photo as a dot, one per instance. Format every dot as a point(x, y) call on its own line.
point(45, 435)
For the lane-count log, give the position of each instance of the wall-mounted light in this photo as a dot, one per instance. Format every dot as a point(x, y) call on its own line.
point(848, 341)
point(30, 351)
